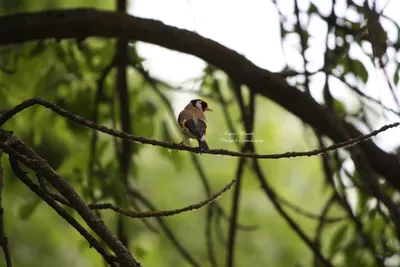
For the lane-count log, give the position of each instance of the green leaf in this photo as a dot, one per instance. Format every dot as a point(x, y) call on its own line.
point(396, 77)
point(377, 34)
point(142, 118)
point(151, 108)
point(340, 108)
point(351, 255)
point(359, 70)
point(372, 214)
point(134, 56)
point(313, 9)
point(38, 48)
point(337, 239)
point(362, 200)
point(140, 251)
point(54, 146)
point(28, 208)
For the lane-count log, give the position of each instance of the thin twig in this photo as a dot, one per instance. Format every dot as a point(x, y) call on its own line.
point(220, 232)
point(362, 94)
point(29, 158)
point(3, 237)
point(150, 214)
point(322, 223)
point(235, 210)
point(343, 200)
point(308, 214)
point(94, 138)
point(272, 196)
point(95, 115)
point(181, 248)
point(247, 114)
point(126, 162)
point(80, 120)
point(210, 211)
point(240, 226)
point(209, 240)
point(153, 31)
point(145, 221)
point(45, 188)
point(111, 259)
point(216, 86)
point(303, 45)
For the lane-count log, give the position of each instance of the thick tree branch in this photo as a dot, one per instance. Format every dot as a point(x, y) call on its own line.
point(29, 158)
point(110, 259)
point(83, 23)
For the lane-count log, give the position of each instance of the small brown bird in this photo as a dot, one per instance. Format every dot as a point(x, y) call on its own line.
point(193, 122)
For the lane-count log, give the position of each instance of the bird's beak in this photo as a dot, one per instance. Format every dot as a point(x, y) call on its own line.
point(209, 109)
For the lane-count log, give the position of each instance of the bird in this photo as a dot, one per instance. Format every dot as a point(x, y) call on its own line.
point(193, 122)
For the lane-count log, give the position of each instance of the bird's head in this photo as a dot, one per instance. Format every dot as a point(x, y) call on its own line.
point(201, 105)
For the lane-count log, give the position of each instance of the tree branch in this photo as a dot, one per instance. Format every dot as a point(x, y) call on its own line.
point(87, 123)
point(180, 247)
point(3, 237)
point(310, 215)
point(83, 23)
point(272, 196)
point(29, 158)
point(125, 161)
point(162, 213)
point(110, 259)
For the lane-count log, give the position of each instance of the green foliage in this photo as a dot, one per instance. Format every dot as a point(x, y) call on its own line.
point(337, 240)
point(68, 73)
point(354, 67)
point(26, 210)
point(340, 108)
point(359, 70)
point(396, 76)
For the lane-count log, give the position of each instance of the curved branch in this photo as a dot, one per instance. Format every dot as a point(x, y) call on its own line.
point(83, 23)
point(29, 158)
point(168, 232)
point(162, 213)
point(87, 123)
point(272, 196)
point(308, 214)
point(110, 259)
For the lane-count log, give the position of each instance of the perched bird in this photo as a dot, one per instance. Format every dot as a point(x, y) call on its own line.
point(193, 122)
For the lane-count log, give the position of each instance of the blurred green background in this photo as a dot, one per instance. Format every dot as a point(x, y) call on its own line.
point(67, 72)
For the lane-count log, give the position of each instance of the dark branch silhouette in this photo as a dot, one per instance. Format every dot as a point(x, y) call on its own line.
point(80, 120)
point(110, 259)
point(22, 153)
point(371, 163)
point(83, 23)
point(3, 237)
point(161, 213)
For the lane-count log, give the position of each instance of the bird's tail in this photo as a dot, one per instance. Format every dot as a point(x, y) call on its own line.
point(203, 145)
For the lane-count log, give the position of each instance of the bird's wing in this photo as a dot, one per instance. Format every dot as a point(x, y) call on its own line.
point(196, 127)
